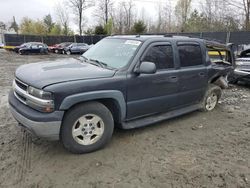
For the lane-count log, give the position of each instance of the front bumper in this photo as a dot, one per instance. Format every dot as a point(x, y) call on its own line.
point(242, 75)
point(43, 125)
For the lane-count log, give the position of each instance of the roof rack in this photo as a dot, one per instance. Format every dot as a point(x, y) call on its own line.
point(168, 35)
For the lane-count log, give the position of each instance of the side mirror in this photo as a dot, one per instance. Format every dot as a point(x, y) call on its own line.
point(147, 68)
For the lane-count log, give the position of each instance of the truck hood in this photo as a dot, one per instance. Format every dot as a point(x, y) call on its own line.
point(46, 73)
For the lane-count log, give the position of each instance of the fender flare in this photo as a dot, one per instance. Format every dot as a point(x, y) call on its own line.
point(71, 100)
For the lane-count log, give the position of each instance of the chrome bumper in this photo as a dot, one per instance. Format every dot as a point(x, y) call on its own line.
point(47, 130)
point(241, 72)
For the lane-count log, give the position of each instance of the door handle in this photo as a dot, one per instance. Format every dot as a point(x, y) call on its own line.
point(173, 78)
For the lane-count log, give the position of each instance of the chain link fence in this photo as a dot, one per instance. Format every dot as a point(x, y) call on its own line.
point(15, 40)
point(238, 38)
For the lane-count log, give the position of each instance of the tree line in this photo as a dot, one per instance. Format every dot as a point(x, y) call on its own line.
point(124, 17)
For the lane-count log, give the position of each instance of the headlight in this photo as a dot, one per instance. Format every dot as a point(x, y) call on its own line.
point(39, 93)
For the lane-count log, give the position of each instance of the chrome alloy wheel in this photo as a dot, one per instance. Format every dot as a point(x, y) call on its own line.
point(88, 129)
point(211, 101)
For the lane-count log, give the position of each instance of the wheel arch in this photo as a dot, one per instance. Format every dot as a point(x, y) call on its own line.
point(220, 81)
point(112, 99)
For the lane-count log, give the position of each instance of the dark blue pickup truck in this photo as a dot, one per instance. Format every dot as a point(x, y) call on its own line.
point(122, 81)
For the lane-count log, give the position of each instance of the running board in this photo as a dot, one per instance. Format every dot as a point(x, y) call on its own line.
point(159, 117)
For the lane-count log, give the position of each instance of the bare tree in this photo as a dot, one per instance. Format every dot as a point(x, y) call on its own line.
point(220, 15)
point(128, 10)
point(78, 7)
point(63, 17)
point(123, 16)
point(104, 10)
point(165, 13)
point(182, 11)
point(119, 18)
point(246, 5)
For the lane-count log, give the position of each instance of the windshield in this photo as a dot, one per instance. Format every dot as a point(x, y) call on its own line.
point(24, 45)
point(116, 53)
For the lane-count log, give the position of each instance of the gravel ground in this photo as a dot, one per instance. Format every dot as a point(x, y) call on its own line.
point(196, 150)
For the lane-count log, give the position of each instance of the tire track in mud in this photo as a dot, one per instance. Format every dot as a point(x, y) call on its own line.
point(24, 160)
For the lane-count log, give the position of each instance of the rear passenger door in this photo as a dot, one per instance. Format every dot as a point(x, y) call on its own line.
point(34, 48)
point(153, 93)
point(193, 72)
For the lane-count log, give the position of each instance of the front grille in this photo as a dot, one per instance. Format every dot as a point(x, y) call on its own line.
point(21, 85)
point(243, 60)
point(20, 97)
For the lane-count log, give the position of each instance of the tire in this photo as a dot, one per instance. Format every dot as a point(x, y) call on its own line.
point(68, 52)
point(211, 98)
point(41, 51)
point(234, 81)
point(22, 53)
point(89, 136)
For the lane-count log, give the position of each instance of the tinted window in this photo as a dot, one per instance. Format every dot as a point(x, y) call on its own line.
point(190, 55)
point(161, 55)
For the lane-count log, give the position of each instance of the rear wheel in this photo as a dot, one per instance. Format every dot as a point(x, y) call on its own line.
point(211, 98)
point(87, 127)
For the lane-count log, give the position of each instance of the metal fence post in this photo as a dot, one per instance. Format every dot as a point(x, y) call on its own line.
point(228, 37)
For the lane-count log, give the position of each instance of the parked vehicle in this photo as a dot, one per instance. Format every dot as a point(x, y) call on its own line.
point(76, 48)
point(123, 81)
point(242, 71)
point(16, 49)
point(59, 49)
point(33, 48)
point(1, 45)
point(52, 48)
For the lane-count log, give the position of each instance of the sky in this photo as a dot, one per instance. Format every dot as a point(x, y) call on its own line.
point(37, 9)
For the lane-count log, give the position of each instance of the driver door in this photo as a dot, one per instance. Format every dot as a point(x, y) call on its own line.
point(154, 93)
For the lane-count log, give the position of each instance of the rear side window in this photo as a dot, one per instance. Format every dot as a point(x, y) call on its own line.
point(190, 55)
point(161, 55)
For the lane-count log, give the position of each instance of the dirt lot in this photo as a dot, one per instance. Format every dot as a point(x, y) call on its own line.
point(195, 150)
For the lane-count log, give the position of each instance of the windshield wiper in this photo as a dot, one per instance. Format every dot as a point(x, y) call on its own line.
point(100, 63)
point(95, 62)
point(83, 58)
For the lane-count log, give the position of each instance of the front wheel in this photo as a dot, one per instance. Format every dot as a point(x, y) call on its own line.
point(211, 98)
point(68, 52)
point(87, 127)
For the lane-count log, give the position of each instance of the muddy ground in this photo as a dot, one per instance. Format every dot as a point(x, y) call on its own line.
point(196, 150)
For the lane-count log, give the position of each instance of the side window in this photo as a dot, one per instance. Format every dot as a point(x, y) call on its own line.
point(161, 55)
point(34, 46)
point(190, 55)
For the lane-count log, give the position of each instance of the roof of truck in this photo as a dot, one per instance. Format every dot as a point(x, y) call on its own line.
point(143, 38)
